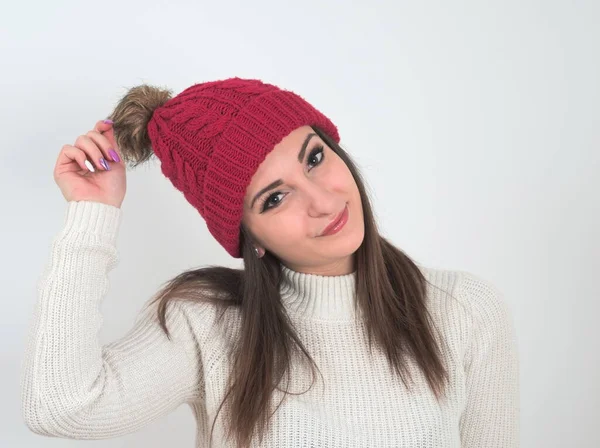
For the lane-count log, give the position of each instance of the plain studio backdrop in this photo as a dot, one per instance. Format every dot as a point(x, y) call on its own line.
point(475, 124)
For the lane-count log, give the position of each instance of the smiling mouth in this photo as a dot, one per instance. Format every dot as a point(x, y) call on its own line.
point(337, 224)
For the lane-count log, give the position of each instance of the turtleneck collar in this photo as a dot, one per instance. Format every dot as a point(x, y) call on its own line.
point(318, 297)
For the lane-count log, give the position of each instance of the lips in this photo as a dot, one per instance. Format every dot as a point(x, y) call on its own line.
point(335, 222)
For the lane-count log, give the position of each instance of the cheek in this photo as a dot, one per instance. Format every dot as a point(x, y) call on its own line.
point(281, 231)
point(287, 228)
point(340, 179)
point(338, 170)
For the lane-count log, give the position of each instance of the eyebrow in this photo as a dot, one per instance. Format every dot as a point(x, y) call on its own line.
point(279, 181)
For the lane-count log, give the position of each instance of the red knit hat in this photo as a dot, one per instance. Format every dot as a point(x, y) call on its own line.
point(212, 137)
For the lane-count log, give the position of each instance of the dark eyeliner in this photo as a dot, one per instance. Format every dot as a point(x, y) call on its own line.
point(316, 150)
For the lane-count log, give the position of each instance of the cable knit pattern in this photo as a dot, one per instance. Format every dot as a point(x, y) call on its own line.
point(73, 387)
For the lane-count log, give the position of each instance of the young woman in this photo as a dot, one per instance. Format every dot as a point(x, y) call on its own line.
point(328, 337)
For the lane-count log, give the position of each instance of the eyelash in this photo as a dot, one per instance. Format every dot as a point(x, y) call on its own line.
point(264, 202)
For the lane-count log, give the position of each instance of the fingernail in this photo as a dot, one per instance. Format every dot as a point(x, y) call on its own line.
point(89, 166)
point(104, 163)
point(108, 121)
point(114, 155)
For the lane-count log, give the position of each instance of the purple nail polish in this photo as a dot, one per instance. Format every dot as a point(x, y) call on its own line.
point(104, 163)
point(108, 121)
point(114, 155)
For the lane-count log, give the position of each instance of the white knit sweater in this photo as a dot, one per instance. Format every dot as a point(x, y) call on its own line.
point(74, 387)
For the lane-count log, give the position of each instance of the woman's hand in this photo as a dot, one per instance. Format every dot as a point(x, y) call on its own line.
point(81, 175)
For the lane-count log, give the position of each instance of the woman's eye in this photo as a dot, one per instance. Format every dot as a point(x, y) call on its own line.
point(318, 151)
point(267, 201)
point(316, 156)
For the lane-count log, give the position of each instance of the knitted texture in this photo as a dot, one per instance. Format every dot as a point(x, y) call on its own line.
point(212, 137)
point(74, 387)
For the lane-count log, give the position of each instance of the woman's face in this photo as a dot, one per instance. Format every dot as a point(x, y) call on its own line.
point(288, 218)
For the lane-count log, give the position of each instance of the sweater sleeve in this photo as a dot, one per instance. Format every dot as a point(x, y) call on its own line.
point(491, 416)
point(71, 386)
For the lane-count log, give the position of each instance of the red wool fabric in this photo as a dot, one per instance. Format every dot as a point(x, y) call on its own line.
point(212, 137)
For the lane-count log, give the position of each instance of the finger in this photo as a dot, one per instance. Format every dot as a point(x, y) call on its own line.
point(93, 152)
point(103, 125)
point(110, 135)
point(70, 157)
point(103, 142)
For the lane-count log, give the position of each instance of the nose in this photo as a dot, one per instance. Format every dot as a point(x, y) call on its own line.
point(321, 201)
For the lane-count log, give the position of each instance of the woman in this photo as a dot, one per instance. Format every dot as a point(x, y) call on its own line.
point(406, 355)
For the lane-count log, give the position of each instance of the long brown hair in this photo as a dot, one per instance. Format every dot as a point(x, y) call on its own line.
point(390, 292)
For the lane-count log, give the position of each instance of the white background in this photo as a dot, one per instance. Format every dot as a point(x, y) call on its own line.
point(475, 124)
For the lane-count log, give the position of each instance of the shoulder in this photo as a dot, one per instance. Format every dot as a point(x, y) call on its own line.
point(464, 304)
point(477, 296)
point(484, 298)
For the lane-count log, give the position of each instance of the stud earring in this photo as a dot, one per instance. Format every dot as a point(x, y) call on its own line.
point(256, 251)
